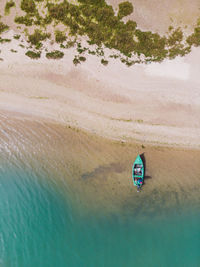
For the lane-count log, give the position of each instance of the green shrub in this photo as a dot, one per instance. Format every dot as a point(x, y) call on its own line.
point(125, 9)
point(81, 50)
point(4, 40)
point(3, 27)
point(104, 62)
point(38, 45)
point(28, 6)
point(91, 52)
point(175, 37)
point(60, 37)
point(130, 25)
point(114, 56)
point(8, 6)
point(26, 20)
point(194, 39)
point(93, 2)
point(76, 61)
point(55, 54)
point(97, 20)
point(47, 20)
point(59, 11)
point(82, 59)
point(16, 36)
point(33, 55)
point(70, 44)
point(37, 37)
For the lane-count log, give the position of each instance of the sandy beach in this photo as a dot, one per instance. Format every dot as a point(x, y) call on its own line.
point(157, 103)
point(90, 122)
point(72, 127)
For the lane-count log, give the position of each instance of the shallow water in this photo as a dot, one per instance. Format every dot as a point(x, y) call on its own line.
point(60, 209)
point(39, 228)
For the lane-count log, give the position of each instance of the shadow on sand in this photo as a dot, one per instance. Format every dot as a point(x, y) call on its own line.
point(144, 162)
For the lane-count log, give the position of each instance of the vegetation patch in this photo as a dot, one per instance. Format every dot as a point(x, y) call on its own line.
point(4, 40)
point(76, 61)
point(55, 55)
point(60, 37)
point(28, 6)
point(26, 20)
point(17, 36)
point(194, 39)
point(8, 6)
point(33, 55)
point(125, 9)
point(83, 59)
point(97, 20)
point(3, 27)
point(37, 37)
point(104, 62)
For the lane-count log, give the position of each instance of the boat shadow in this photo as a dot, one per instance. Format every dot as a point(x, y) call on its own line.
point(144, 162)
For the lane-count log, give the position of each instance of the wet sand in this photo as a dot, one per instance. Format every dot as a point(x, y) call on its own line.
point(97, 171)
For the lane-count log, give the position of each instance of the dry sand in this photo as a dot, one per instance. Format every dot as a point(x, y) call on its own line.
point(157, 103)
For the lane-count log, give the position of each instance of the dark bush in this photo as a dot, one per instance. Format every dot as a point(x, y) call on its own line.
point(125, 9)
point(28, 6)
point(37, 37)
point(82, 59)
point(33, 55)
point(104, 62)
point(194, 39)
point(130, 25)
point(16, 36)
point(175, 37)
point(60, 37)
point(3, 27)
point(8, 6)
point(76, 61)
point(4, 40)
point(55, 54)
point(26, 20)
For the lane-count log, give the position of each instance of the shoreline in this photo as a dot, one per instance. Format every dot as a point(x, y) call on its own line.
point(97, 171)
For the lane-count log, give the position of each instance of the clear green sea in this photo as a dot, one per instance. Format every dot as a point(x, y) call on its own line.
point(51, 215)
point(38, 227)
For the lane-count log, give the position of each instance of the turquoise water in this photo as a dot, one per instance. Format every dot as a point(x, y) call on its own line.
point(39, 226)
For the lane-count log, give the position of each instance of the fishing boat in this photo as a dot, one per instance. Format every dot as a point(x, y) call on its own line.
point(138, 172)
